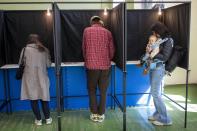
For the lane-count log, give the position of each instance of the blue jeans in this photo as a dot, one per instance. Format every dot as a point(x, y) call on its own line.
point(156, 81)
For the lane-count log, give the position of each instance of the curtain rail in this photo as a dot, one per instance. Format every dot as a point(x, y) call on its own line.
point(95, 2)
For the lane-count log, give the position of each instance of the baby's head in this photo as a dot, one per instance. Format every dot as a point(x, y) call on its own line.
point(152, 39)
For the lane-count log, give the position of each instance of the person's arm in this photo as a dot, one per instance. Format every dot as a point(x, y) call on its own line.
point(48, 58)
point(21, 55)
point(165, 53)
point(111, 46)
point(84, 43)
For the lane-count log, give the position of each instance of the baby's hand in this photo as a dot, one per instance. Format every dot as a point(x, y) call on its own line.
point(148, 49)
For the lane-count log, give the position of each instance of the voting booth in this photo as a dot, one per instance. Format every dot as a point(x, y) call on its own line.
point(62, 34)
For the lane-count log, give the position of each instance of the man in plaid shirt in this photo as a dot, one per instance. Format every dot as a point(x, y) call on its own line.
point(98, 51)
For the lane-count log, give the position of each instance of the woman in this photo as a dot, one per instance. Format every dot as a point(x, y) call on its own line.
point(35, 81)
point(157, 73)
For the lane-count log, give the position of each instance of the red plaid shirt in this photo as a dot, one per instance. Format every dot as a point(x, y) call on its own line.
point(98, 47)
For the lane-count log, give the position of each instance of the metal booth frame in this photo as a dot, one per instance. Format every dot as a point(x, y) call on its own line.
point(60, 97)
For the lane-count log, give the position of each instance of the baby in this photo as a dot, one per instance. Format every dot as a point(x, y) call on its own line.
point(152, 49)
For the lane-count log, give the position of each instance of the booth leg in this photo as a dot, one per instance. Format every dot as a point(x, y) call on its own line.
point(5, 90)
point(124, 101)
point(114, 88)
point(8, 91)
point(186, 98)
point(61, 93)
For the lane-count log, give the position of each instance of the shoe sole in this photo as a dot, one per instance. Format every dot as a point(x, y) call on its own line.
point(38, 124)
point(168, 124)
point(162, 124)
point(100, 121)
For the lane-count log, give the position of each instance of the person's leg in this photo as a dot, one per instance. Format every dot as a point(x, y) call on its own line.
point(35, 108)
point(103, 84)
point(45, 109)
point(156, 79)
point(92, 80)
point(36, 111)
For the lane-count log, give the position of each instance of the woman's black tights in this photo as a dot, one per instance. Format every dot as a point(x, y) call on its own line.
point(36, 110)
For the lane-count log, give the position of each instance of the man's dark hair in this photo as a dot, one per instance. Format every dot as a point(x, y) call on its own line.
point(160, 29)
point(95, 20)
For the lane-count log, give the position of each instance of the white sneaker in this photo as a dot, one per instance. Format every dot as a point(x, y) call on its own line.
point(38, 122)
point(94, 117)
point(151, 118)
point(157, 123)
point(101, 118)
point(49, 121)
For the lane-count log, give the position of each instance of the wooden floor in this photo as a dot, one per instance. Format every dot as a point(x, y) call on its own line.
point(78, 120)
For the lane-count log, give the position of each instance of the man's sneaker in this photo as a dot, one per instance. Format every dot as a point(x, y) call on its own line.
point(101, 118)
point(49, 121)
point(38, 122)
point(94, 117)
point(151, 118)
point(157, 123)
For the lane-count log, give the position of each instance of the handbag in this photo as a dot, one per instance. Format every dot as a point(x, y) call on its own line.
point(20, 70)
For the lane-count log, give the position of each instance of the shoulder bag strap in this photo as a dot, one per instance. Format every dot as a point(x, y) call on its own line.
point(22, 59)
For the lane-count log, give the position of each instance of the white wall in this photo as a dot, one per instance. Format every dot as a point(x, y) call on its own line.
point(193, 42)
point(61, 6)
point(193, 46)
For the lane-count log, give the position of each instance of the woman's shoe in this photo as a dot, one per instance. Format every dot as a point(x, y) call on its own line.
point(49, 121)
point(38, 122)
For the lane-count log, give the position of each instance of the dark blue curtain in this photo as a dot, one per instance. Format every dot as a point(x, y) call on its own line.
point(73, 24)
point(2, 51)
point(18, 25)
point(138, 31)
point(177, 19)
point(117, 29)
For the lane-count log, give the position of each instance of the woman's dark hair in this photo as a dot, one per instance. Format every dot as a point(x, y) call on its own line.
point(160, 29)
point(34, 38)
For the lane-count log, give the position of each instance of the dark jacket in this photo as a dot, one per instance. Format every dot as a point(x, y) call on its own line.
point(165, 50)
